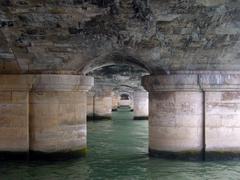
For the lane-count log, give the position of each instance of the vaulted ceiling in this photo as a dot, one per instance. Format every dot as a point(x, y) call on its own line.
point(66, 36)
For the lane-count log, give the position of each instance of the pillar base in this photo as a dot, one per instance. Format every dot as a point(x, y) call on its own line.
point(140, 118)
point(98, 118)
point(222, 155)
point(61, 155)
point(9, 155)
point(183, 155)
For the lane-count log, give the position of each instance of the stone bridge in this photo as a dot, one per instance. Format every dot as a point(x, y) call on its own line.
point(190, 48)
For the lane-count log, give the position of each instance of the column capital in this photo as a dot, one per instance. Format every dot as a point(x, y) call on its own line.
point(200, 81)
point(49, 82)
point(220, 82)
point(18, 82)
point(175, 82)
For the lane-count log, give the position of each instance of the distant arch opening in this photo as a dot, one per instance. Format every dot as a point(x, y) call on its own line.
point(111, 59)
point(124, 97)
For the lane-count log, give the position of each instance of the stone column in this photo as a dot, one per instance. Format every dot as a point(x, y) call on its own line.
point(103, 102)
point(222, 114)
point(175, 116)
point(140, 101)
point(90, 105)
point(58, 105)
point(14, 121)
point(115, 101)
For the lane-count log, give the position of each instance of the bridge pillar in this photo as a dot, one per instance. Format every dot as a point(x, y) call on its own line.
point(58, 105)
point(115, 100)
point(175, 116)
point(103, 102)
point(140, 105)
point(14, 119)
point(222, 115)
point(194, 115)
point(90, 105)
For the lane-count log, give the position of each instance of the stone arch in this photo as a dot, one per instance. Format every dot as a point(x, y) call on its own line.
point(114, 58)
point(125, 96)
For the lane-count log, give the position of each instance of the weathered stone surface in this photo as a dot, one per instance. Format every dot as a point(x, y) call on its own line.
point(57, 121)
point(14, 113)
point(203, 119)
point(58, 110)
point(102, 102)
point(45, 113)
point(141, 109)
point(175, 121)
point(76, 36)
point(222, 121)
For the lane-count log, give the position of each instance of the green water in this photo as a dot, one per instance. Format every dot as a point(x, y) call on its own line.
point(118, 150)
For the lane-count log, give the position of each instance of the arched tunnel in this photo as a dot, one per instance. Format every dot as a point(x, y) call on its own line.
point(175, 63)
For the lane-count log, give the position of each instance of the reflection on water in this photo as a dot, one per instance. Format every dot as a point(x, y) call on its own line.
point(118, 150)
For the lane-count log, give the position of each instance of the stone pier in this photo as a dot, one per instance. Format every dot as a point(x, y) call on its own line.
point(102, 102)
point(140, 105)
point(194, 116)
point(43, 113)
point(14, 114)
point(90, 105)
point(58, 113)
point(222, 115)
point(115, 100)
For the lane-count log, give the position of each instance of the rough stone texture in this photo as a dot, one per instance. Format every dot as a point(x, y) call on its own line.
point(90, 104)
point(14, 120)
point(103, 102)
point(222, 113)
point(141, 108)
point(196, 112)
point(44, 113)
point(175, 121)
point(57, 121)
point(78, 36)
point(58, 113)
point(175, 114)
point(123, 78)
point(115, 100)
point(222, 121)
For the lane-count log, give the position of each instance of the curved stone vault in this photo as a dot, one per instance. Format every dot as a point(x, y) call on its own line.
point(67, 36)
point(190, 48)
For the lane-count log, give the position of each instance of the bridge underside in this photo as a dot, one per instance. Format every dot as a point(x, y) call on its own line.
point(190, 48)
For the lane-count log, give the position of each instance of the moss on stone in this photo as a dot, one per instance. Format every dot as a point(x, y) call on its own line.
point(140, 118)
point(8, 155)
point(98, 117)
point(61, 155)
point(222, 155)
point(191, 155)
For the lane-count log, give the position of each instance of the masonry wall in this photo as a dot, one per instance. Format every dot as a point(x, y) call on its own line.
point(57, 121)
point(141, 105)
point(43, 113)
point(90, 105)
point(223, 121)
point(175, 121)
point(14, 130)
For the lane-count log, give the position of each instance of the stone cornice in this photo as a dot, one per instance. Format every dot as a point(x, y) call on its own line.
point(193, 82)
point(15, 82)
point(220, 82)
point(62, 83)
point(45, 82)
point(170, 82)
